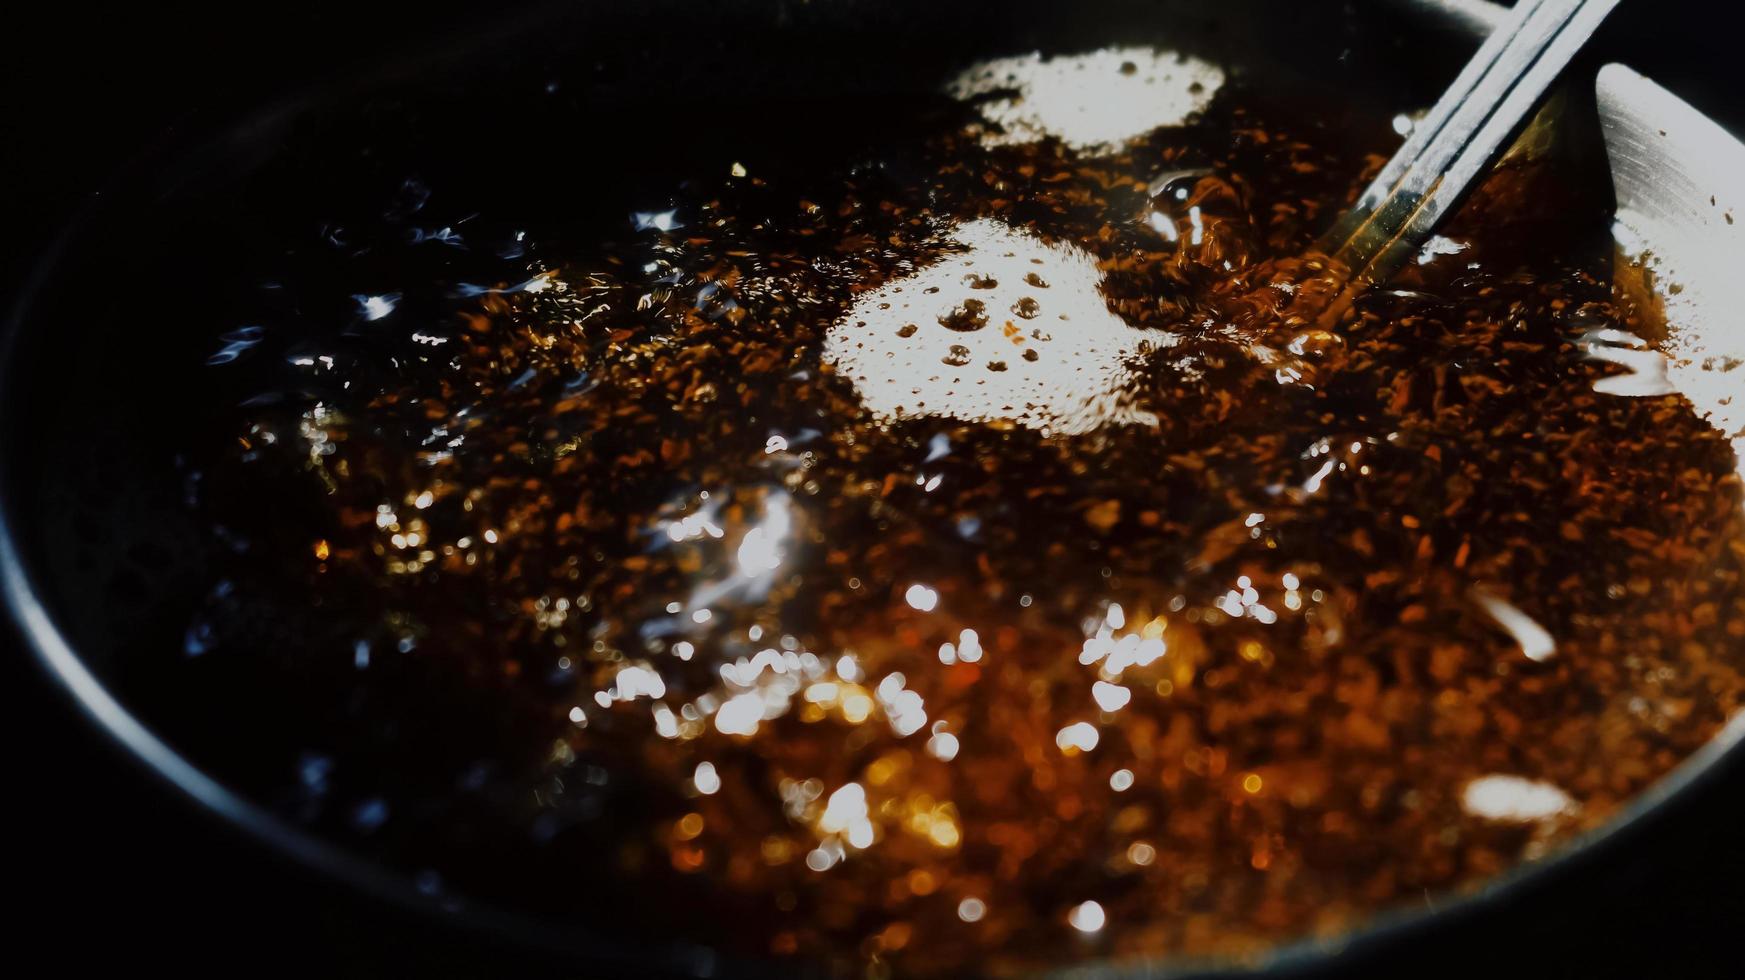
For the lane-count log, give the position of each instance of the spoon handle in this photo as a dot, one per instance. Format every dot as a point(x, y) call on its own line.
point(1452, 148)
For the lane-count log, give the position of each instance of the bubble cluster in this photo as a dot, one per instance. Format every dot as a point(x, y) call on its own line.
point(1093, 102)
point(1003, 327)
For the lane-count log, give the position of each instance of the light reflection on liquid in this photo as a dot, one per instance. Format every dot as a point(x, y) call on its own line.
point(1515, 799)
point(734, 665)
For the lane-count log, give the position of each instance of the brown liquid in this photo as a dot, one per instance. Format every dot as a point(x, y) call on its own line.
point(630, 611)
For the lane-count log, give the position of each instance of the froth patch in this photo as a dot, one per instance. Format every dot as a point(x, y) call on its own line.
point(1009, 328)
point(1092, 102)
point(1514, 799)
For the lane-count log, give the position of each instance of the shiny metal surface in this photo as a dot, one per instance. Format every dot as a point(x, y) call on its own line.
point(1452, 148)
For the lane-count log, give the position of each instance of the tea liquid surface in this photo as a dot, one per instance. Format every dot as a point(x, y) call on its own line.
point(955, 556)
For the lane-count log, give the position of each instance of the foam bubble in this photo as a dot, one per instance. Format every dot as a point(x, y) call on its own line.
point(1011, 327)
point(1094, 102)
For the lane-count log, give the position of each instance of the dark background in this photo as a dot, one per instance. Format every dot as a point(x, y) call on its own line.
point(107, 869)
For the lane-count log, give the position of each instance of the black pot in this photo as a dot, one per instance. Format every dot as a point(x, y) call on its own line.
point(73, 464)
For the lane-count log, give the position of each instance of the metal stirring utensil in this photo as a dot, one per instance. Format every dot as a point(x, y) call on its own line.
point(1453, 147)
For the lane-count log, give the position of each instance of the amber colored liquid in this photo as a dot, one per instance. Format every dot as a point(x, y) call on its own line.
point(643, 595)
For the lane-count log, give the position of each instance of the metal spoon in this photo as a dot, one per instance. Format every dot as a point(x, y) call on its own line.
point(1453, 147)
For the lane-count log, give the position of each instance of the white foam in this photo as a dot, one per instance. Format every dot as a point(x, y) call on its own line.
point(1095, 101)
point(1514, 799)
point(1536, 642)
point(1063, 369)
